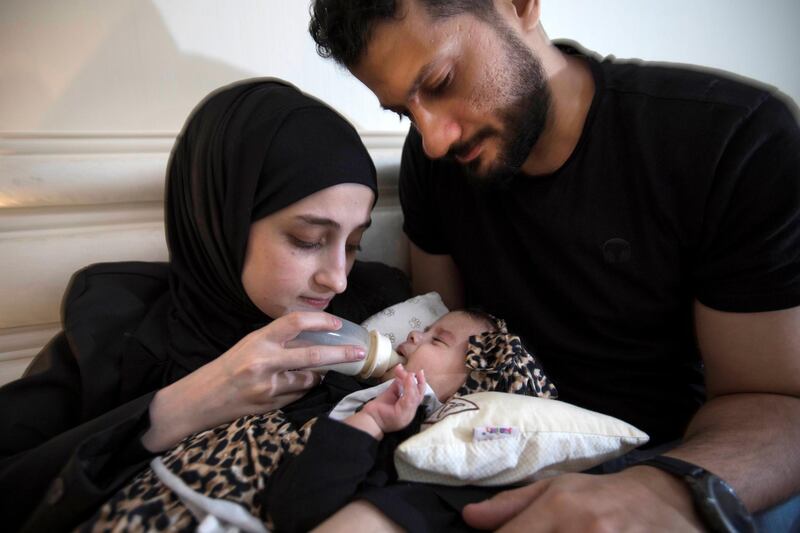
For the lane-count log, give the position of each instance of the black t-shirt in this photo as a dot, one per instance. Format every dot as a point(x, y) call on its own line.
point(685, 184)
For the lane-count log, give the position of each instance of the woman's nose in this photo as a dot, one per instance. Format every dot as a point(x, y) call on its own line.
point(438, 129)
point(332, 274)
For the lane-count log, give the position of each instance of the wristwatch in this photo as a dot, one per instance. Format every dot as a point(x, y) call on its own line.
point(716, 502)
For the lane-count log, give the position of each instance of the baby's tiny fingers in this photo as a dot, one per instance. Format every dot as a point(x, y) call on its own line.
point(400, 372)
point(421, 382)
point(410, 381)
point(414, 393)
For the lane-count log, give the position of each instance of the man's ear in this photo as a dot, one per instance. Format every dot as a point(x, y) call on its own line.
point(528, 12)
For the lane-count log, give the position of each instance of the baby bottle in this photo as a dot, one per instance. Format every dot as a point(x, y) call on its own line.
point(380, 356)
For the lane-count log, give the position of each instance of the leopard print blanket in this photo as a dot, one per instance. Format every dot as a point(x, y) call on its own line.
point(234, 461)
point(231, 462)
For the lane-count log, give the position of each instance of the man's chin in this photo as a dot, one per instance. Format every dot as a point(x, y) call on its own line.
point(489, 173)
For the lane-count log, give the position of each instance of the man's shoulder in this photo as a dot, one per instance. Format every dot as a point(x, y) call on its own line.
point(676, 83)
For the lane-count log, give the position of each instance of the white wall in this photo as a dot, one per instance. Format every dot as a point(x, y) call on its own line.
point(758, 40)
point(141, 65)
point(92, 93)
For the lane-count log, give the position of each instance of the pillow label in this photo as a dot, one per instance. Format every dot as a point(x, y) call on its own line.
point(494, 432)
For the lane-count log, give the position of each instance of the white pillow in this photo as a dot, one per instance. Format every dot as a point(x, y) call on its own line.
point(528, 439)
point(416, 313)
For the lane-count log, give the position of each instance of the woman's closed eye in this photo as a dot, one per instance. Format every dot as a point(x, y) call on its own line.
point(315, 244)
point(306, 244)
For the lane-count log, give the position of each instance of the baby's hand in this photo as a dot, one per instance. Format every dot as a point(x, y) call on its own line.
point(394, 408)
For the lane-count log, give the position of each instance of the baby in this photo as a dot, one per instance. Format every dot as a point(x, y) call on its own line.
point(352, 459)
point(462, 352)
point(440, 349)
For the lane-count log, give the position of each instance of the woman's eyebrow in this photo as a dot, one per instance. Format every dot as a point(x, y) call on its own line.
point(327, 222)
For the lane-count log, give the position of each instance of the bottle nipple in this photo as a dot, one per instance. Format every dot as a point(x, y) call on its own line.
point(381, 356)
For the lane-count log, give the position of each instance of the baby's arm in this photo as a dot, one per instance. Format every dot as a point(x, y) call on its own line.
point(394, 408)
point(338, 457)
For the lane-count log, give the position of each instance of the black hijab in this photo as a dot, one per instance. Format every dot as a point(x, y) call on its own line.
point(247, 151)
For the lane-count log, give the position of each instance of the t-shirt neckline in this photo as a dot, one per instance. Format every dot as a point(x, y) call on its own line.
point(574, 49)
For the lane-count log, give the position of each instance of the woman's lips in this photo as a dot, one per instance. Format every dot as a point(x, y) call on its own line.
point(318, 303)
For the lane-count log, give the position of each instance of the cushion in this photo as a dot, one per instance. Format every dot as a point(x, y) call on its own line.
point(416, 313)
point(495, 438)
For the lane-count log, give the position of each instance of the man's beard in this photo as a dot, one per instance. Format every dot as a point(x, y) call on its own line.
point(523, 120)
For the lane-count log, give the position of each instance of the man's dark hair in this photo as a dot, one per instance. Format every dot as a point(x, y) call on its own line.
point(342, 28)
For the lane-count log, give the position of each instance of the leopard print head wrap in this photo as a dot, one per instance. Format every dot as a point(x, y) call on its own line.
point(499, 362)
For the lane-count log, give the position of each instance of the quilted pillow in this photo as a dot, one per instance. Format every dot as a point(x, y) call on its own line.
point(495, 438)
point(416, 313)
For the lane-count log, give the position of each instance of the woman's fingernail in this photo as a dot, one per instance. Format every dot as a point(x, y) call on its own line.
point(360, 353)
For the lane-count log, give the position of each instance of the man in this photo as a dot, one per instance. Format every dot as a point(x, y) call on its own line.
point(639, 224)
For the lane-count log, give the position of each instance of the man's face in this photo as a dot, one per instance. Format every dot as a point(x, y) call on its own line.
point(472, 88)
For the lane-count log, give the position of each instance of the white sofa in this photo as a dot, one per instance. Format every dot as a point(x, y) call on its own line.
point(67, 201)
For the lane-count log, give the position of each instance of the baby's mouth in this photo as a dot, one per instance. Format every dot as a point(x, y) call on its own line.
point(401, 349)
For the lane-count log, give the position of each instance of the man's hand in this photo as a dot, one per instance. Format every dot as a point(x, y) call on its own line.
point(637, 499)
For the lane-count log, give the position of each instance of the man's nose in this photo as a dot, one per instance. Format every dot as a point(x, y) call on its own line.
point(438, 129)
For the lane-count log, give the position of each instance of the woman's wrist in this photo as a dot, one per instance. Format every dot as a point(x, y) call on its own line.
point(179, 410)
point(169, 422)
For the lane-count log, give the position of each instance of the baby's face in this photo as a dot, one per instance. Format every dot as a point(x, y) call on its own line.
point(441, 350)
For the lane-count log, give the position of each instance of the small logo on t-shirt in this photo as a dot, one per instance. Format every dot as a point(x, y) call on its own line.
point(616, 250)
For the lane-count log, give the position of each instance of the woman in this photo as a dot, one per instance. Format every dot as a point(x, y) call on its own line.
point(268, 195)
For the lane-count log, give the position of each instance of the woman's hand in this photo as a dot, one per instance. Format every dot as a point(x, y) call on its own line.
point(394, 408)
point(257, 374)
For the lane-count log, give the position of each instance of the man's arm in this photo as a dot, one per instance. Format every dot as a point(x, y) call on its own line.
point(746, 433)
point(438, 273)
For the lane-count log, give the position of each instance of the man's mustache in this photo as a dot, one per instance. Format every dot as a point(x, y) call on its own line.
point(462, 149)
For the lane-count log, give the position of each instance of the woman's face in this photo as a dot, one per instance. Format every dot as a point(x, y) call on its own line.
point(298, 258)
